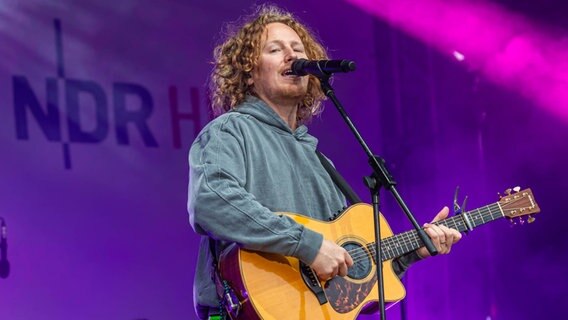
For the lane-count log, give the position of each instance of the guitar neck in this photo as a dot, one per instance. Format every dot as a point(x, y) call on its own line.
point(400, 244)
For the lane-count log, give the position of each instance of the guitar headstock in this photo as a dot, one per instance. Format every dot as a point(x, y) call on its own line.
point(517, 203)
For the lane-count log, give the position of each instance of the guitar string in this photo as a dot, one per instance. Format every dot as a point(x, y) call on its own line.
point(404, 242)
point(412, 237)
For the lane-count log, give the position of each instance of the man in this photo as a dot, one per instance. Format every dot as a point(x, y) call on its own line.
point(257, 158)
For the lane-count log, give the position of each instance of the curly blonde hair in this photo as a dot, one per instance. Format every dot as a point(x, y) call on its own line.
point(237, 56)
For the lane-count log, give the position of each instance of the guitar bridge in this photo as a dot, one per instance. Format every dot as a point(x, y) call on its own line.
point(311, 280)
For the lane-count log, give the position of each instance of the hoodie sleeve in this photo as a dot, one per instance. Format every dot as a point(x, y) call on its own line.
point(401, 264)
point(219, 205)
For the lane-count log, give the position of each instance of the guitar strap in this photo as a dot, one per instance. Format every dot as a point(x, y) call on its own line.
point(339, 181)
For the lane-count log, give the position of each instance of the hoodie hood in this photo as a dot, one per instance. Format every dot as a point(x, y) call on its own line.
point(261, 111)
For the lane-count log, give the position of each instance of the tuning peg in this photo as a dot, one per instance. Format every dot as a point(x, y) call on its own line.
point(508, 191)
point(517, 189)
point(531, 219)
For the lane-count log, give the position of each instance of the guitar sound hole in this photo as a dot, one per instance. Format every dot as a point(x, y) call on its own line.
point(362, 261)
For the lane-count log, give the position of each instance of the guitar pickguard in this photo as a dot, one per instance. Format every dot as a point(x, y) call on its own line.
point(346, 294)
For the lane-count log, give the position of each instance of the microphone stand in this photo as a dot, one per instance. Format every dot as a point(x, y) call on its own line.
point(379, 178)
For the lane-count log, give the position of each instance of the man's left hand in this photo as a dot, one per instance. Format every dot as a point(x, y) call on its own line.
point(442, 237)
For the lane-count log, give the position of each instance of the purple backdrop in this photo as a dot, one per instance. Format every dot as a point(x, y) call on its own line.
point(100, 102)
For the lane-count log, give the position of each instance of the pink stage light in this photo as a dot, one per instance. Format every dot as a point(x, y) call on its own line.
point(458, 55)
point(506, 48)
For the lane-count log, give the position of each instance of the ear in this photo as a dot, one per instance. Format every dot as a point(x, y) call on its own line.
point(249, 80)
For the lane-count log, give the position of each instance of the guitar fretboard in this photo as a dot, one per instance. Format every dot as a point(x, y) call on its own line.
point(400, 244)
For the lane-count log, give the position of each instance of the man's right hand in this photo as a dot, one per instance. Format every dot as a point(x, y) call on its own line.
point(332, 260)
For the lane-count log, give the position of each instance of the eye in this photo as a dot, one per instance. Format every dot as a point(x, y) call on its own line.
point(298, 47)
point(273, 50)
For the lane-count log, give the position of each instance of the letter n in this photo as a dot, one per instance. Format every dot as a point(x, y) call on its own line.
point(25, 99)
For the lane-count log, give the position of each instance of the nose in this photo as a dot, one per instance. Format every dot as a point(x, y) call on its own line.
point(291, 55)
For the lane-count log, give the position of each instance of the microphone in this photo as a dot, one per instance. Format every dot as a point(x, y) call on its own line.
point(4, 264)
point(321, 68)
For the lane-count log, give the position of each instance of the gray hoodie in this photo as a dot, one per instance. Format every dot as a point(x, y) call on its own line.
point(244, 166)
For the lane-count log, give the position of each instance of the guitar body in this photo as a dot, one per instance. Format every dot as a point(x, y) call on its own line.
point(271, 286)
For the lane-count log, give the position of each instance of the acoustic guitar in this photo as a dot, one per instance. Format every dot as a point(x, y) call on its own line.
point(272, 286)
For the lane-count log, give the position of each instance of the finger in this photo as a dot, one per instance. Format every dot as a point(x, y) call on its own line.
point(436, 235)
point(342, 270)
point(348, 259)
point(457, 235)
point(435, 238)
point(326, 275)
point(323, 276)
point(334, 273)
point(441, 234)
point(448, 234)
point(452, 236)
point(443, 214)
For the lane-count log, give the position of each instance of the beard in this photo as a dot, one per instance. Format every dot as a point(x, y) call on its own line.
point(288, 92)
point(292, 92)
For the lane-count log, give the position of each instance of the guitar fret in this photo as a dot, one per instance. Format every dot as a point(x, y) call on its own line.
point(453, 224)
point(404, 242)
point(491, 214)
point(397, 250)
point(498, 211)
point(385, 246)
point(415, 241)
point(458, 224)
point(479, 219)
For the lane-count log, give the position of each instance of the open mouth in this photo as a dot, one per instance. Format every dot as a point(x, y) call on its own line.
point(288, 72)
